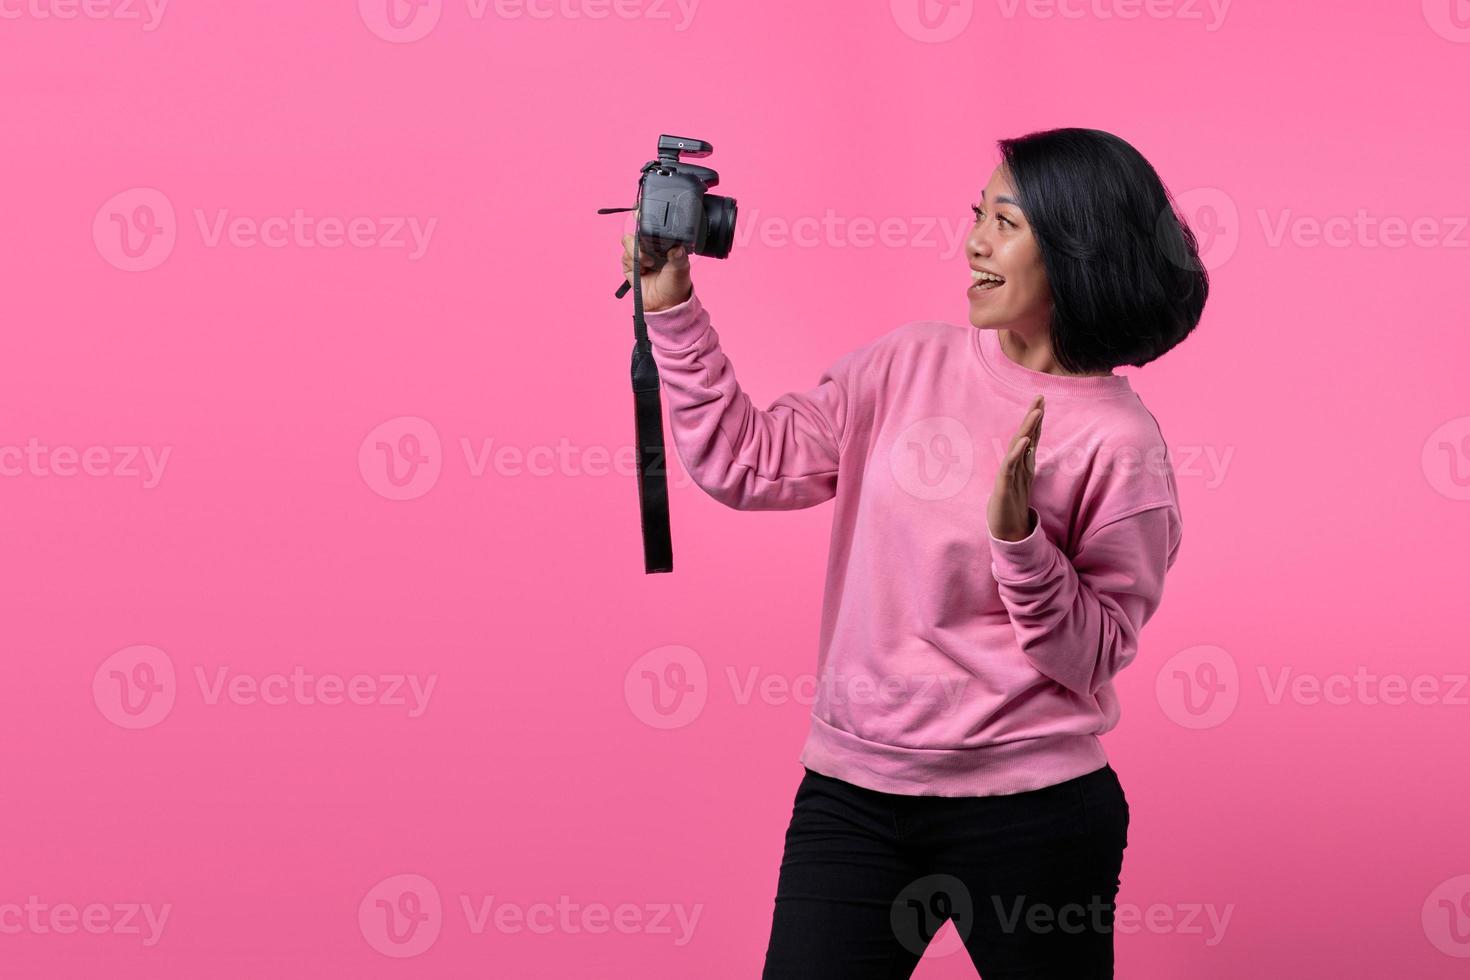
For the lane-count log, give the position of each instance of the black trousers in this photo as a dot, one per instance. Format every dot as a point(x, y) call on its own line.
point(1028, 879)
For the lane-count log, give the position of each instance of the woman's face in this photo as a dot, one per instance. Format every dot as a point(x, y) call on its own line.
point(1001, 242)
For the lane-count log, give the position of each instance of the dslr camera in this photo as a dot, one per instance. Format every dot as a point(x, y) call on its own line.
point(674, 208)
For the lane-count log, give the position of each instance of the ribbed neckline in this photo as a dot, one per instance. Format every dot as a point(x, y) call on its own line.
point(986, 345)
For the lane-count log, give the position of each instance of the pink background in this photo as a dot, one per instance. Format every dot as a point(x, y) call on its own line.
point(1318, 421)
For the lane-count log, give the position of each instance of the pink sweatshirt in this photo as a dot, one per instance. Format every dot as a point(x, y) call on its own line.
point(951, 663)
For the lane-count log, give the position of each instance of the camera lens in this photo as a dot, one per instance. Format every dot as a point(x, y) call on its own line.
point(718, 233)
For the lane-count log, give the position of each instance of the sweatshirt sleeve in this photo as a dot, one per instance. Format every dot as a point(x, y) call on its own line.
point(1078, 620)
point(782, 458)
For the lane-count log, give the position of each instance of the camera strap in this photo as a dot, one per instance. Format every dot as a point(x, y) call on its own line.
point(648, 425)
point(653, 486)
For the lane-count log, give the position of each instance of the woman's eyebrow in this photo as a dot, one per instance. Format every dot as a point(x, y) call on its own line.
point(1002, 199)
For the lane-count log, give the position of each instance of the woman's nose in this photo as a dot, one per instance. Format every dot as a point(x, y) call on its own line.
point(978, 241)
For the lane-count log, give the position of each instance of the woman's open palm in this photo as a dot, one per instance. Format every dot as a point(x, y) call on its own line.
point(1008, 512)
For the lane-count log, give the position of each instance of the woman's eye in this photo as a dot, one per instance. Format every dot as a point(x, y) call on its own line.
point(979, 212)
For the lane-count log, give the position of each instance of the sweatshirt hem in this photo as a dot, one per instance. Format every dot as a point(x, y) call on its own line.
point(986, 770)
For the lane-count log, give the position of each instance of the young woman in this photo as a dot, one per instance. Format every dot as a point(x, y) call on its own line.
point(1005, 515)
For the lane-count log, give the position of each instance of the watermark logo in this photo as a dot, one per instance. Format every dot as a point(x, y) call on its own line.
point(135, 230)
point(400, 459)
point(947, 233)
point(1159, 918)
point(667, 687)
point(892, 690)
point(1446, 917)
point(36, 459)
point(1198, 687)
point(1183, 10)
point(1364, 687)
point(936, 21)
point(37, 918)
point(400, 21)
point(1201, 686)
point(149, 13)
point(408, 691)
point(406, 21)
point(919, 912)
point(1212, 215)
point(401, 916)
point(1445, 459)
point(932, 458)
point(571, 918)
point(932, 21)
point(1450, 19)
point(135, 687)
point(1363, 230)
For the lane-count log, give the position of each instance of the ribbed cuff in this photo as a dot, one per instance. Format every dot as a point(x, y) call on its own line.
point(1018, 561)
point(678, 326)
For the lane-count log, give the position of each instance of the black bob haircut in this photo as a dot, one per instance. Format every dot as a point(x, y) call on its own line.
point(1124, 269)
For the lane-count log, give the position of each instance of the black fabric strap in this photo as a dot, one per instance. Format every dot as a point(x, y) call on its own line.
point(648, 423)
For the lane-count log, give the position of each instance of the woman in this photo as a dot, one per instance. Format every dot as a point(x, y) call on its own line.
point(985, 583)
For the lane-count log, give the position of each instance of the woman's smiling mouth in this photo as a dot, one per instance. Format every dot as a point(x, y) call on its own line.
point(984, 282)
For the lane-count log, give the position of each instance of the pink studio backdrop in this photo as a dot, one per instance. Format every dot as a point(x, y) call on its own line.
point(327, 637)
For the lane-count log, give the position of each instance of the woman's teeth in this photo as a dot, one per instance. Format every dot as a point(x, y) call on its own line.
point(984, 280)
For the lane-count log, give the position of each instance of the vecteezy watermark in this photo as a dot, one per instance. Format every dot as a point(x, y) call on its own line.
point(36, 459)
point(889, 690)
point(1363, 686)
point(149, 13)
point(668, 687)
point(919, 912)
point(932, 21)
point(1213, 216)
point(1445, 458)
point(1183, 919)
point(1446, 916)
point(1450, 19)
point(1200, 687)
point(832, 230)
point(933, 458)
point(137, 686)
point(403, 915)
point(1363, 230)
point(38, 918)
point(936, 21)
point(402, 459)
point(1210, 13)
point(406, 21)
point(137, 229)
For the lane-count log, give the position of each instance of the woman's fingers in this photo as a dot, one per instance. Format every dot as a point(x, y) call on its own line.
point(1011, 468)
point(1030, 425)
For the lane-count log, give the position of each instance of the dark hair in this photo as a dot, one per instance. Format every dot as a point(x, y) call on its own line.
point(1126, 280)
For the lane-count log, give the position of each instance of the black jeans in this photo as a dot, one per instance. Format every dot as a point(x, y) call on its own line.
point(1029, 881)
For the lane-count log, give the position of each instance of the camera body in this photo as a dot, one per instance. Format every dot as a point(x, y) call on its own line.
point(674, 208)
